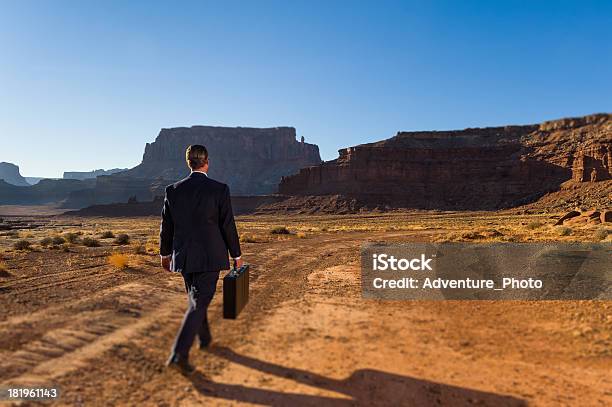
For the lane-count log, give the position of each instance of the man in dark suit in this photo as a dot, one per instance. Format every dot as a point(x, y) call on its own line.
point(197, 231)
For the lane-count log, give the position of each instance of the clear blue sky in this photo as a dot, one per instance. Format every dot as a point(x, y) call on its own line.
point(85, 84)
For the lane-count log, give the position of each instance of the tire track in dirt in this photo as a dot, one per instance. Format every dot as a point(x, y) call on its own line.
point(87, 335)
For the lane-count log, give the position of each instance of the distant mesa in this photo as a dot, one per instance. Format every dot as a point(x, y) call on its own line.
point(91, 174)
point(471, 169)
point(10, 174)
point(250, 160)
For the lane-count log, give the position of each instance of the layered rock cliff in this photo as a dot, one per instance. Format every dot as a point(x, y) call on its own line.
point(483, 168)
point(10, 174)
point(250, 160)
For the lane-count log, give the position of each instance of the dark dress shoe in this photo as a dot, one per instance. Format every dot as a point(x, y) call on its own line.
point(180, 364)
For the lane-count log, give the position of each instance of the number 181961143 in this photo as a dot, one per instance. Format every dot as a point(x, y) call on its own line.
point(29, 393)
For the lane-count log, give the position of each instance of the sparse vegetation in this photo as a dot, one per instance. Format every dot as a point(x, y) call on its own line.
point(119, 261)
point(22, 245)
point(122, 239)
point(280, 230)
point(247, 238)
point(58, 240)
point(564, 231)
point(46, 241)
point(107, 235)
point(72, 237)
point(600, 234)
point(534, 225)
point(90, 242)
point(140, 249)
point(152, 246)
point(482, 234)
point(301, 235)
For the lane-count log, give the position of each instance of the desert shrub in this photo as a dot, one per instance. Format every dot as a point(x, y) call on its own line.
point(565, 231)
point(534, 225)
point(22, 245)
point(122, 239)
point(247, 238)
point(65, 248)
point(140, 249)
point(90, 242)
point(72, 237)
point(107, 235)
point(600, 234)
point(119, 261)
point(301, 235)
point(57, 240)
point(46, 241)
point(280, 230)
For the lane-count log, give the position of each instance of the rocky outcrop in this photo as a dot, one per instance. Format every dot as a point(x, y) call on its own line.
point(483, 168)
point(91, 174)
point(10, 174)
point(250, 160)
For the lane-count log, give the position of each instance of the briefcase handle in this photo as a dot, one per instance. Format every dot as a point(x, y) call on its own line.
point(234, 273)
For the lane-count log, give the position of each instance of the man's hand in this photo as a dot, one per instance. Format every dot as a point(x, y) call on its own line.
point(238, 263)
point(165, 262)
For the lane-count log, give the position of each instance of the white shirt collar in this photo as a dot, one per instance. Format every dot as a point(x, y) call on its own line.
point(201, 172)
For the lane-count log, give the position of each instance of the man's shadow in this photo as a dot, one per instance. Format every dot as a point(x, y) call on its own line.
point(364, 387)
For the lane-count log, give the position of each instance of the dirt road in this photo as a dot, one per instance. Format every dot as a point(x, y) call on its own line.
point(306, 338)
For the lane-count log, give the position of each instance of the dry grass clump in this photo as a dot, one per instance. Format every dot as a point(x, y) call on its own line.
point(564, 231)
point(107, 235)
point(90, 242)
point(57, 240)
point(483, 234)
point(600, 234)
point(72, 237)
point(301, 235)
point(140, 249)
point(247, 238)
point(534, 225)
point(152, 246)
point(280, 230)
point(119, 261)
point(22, 245)
point(47, 241)
point(122, 239)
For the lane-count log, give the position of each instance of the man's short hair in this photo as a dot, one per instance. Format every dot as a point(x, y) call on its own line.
point(196, 156)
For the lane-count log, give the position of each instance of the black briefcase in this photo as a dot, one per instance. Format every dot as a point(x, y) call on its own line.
point(235, 292)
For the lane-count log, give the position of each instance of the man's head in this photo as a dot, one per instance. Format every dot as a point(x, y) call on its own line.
point(197, 158)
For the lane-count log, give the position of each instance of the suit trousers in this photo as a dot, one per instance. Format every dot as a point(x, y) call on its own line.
point(200, 289)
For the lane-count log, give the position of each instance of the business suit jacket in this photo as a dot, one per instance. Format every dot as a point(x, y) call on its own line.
point(198, 225)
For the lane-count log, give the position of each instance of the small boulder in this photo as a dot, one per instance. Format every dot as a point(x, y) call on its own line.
point(606, 216)
point(592, 216)
point(569, 215)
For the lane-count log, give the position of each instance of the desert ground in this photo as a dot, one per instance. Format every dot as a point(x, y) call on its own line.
point(101, 327)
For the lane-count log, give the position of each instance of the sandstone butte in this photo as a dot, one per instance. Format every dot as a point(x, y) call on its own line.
point(471, 169)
